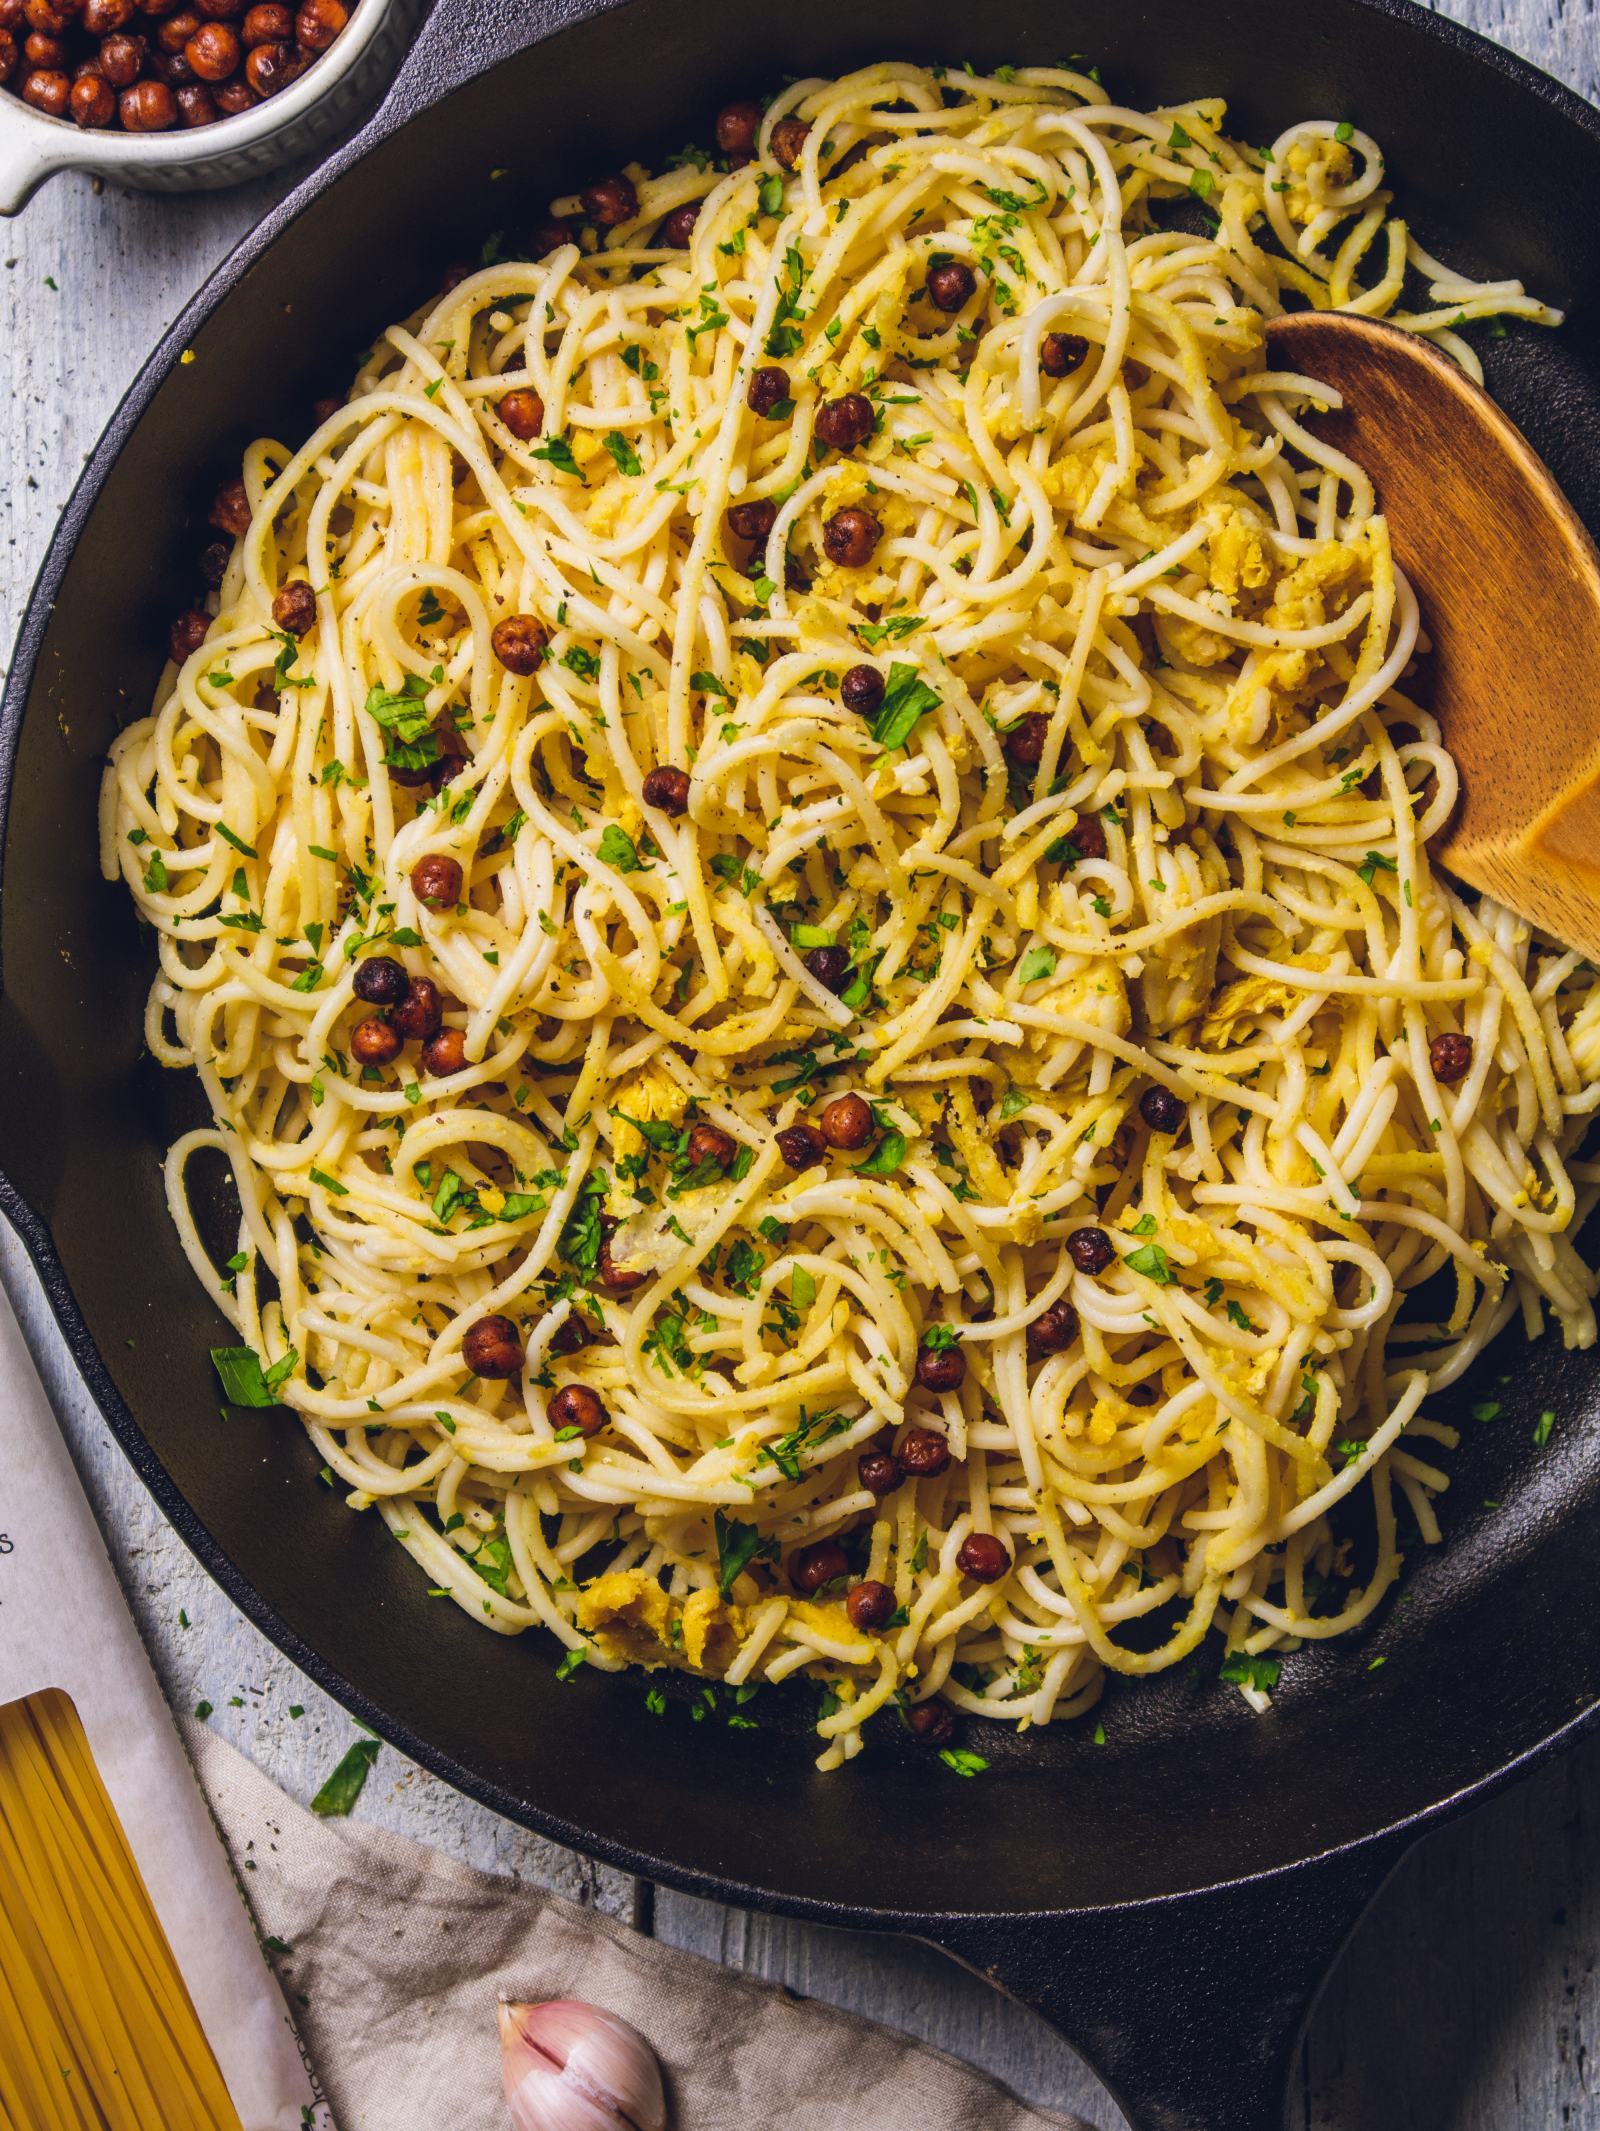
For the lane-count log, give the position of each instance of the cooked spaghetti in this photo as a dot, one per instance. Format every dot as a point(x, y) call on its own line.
point(954, 1055)
point(97, 2030)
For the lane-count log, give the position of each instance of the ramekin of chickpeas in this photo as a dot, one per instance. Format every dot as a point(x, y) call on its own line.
point(173, 94)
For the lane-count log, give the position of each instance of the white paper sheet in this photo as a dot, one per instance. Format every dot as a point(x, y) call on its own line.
point(63, 1624)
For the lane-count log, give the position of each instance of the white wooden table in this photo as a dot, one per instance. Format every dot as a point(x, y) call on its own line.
point(1467, 1999)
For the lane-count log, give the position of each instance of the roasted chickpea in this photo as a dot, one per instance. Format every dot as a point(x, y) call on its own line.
point(230, 509)
point(437, 880)
point(173, 34)
point(1090, 1249)
point(318, 22)
point(171, 68)
point(931, 1723)
point(707, 1144)
point(271, 67)
point(519, 643)
point(846, 1122)
point(420, 1014)
point(576, 1406)
point(616, 1279)
point(267, 24)
point(951, 284)
point(802, 1146)
point(47, 90)
point(767, 390)
point(786, 140)
point(870, 1606)
point(445, 1054)
point(982, 1557)
point(737, 128)
point(196, 104)
point(213, 51)
point(187, 634)
point(148, 107)
point(941, 1365)
point(1052, 1331)
point(380, 981)
point(879, 1472)
point(610, 200)
point(491, 1347)
point(121, 59)
point(666, 788)
point(861, 690)
point(753, 520)
point(93, 101)
point(523, 414)
point(1161, 1110)
point(850, 537)
point(1024, 741)
point(375, 1042)
point(1450, 1056)
point(923, 1453)
point(844, 423)
point(678, 228)
point(810, 1567)
point(1061, 352)
point(830, 966)
point(1088, 836)
point(294, 607)
point(571, 1335)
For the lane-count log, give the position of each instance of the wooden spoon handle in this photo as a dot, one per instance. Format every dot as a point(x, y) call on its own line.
point(1509, 582)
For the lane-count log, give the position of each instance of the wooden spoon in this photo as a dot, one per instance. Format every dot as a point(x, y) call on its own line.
point(1509, 583)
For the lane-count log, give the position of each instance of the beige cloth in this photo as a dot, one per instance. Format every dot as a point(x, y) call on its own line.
point(399, 1955)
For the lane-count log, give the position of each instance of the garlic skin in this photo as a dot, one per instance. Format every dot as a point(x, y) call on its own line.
point(568, 2066)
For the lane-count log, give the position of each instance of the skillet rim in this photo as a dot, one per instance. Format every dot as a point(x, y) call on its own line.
point(412, 95)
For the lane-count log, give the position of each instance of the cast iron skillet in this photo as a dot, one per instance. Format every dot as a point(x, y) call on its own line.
point(1171, 1898)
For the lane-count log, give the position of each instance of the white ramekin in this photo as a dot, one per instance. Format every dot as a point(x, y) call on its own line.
point(327, 98)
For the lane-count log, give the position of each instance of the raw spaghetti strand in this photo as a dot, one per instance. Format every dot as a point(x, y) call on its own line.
point(1113, 910)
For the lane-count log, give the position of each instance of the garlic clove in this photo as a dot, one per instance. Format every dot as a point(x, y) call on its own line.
point(568, 2066)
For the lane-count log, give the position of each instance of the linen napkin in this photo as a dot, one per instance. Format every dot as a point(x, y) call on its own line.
point(394, 1958)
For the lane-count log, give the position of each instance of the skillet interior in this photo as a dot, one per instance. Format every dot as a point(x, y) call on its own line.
point(1498, 1645)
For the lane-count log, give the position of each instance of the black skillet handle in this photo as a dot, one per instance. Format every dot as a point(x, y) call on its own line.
point(1190, 2010)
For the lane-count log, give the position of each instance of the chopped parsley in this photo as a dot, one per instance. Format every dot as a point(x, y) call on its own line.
point(244, 1381)
point(338, 1795)
point(1242, 1670)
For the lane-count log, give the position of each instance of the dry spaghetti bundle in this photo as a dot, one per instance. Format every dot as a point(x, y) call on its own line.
point(872, 746)
point(96, 2026)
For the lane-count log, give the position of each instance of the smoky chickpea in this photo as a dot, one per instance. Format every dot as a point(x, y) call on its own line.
point(523, 414)
point(492, 1348)
point(437, 881)
point(294, 607)
point(519, 643)
point(375, 1041)
point(576, 1406)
